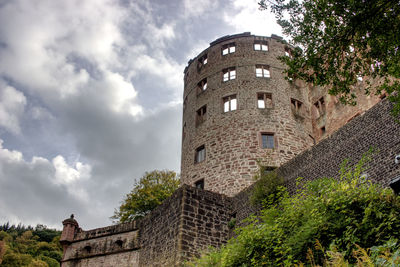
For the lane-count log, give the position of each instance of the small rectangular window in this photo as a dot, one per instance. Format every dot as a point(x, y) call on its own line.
point(201, 115)
point(199, 184)
point(262, 71)
point(229, 74)
point(200, 154)
point(203, 60)
point(230, 103)
point(228, 49)
point(202, 86)
point(260, 45)
point(267, 140)
point(264, 100)
point(288, 52)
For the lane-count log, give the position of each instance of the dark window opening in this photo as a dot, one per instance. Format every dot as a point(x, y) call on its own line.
point(88, 249)
point(201, 115)
point(320, 107)
point(202, 86)
point(119, 243)
point(322, 130)
point(266, 169)
point(203, 60)
point(199, 184)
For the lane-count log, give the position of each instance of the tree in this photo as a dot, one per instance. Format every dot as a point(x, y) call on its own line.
point(339, 42)
point(147, 193)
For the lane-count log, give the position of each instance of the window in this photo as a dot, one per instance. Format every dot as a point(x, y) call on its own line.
point(200, 154)
point(297, 106)
point(119, 243)
point(322, 130)
point(288, 52)
point(264, 100)
point(266, 169)
point(87, 249)
point(229, 74)
point(262, 71)
point(320, 107)
point(201, 115)
point(228, 49)
point(203, 60)
point(230, 103)
point(199, 184)
point(267, 140)
point(202, 85)
point(260, 45)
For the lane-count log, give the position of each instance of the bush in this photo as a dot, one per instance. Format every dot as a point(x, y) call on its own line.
point(342, 215)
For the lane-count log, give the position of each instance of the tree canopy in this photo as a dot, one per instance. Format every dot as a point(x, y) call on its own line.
point(341, 42)
point(149, 192)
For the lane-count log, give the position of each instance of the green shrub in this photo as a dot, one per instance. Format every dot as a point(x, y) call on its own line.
point(342, 215)
point(268, 188)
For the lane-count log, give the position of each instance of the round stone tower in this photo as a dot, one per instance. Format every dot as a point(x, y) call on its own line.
point(239, 110)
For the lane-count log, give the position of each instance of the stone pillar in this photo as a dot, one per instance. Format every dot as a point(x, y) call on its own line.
point(70, 228)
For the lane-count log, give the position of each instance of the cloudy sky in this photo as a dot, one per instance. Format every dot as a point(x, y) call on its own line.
point(91, 97)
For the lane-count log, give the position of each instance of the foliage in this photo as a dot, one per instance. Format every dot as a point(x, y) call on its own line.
point(27, 246)
point(342, 215)
point(149, 192)
point(342, 41)
point(268, 188)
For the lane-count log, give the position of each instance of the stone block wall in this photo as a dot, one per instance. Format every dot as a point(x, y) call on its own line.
point(205, 219)
point(182, 227)
point(160, 231)
point(99, 247)
point(375, 128)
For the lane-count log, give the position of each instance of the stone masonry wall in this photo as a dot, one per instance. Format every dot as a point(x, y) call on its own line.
point(98, 247)
point(232, 140)
point(375, 128)
point(205, 221)
point(160, 231)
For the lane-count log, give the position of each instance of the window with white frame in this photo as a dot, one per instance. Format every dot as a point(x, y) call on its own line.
point(262, 71)
point(228, 49)
point(264, 100)
point(267, 140)
point(230, 103)
point(229, 74)
point(260, 45)
point(200, 154)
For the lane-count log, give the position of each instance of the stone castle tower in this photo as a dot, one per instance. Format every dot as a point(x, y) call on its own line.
point(239, 109)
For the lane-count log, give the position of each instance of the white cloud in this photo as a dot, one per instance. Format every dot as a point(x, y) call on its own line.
point(44, 185)
point(198, 8)
point(12, 105)
point(248, 17)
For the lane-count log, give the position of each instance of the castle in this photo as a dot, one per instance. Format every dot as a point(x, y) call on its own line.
point(240, 111)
